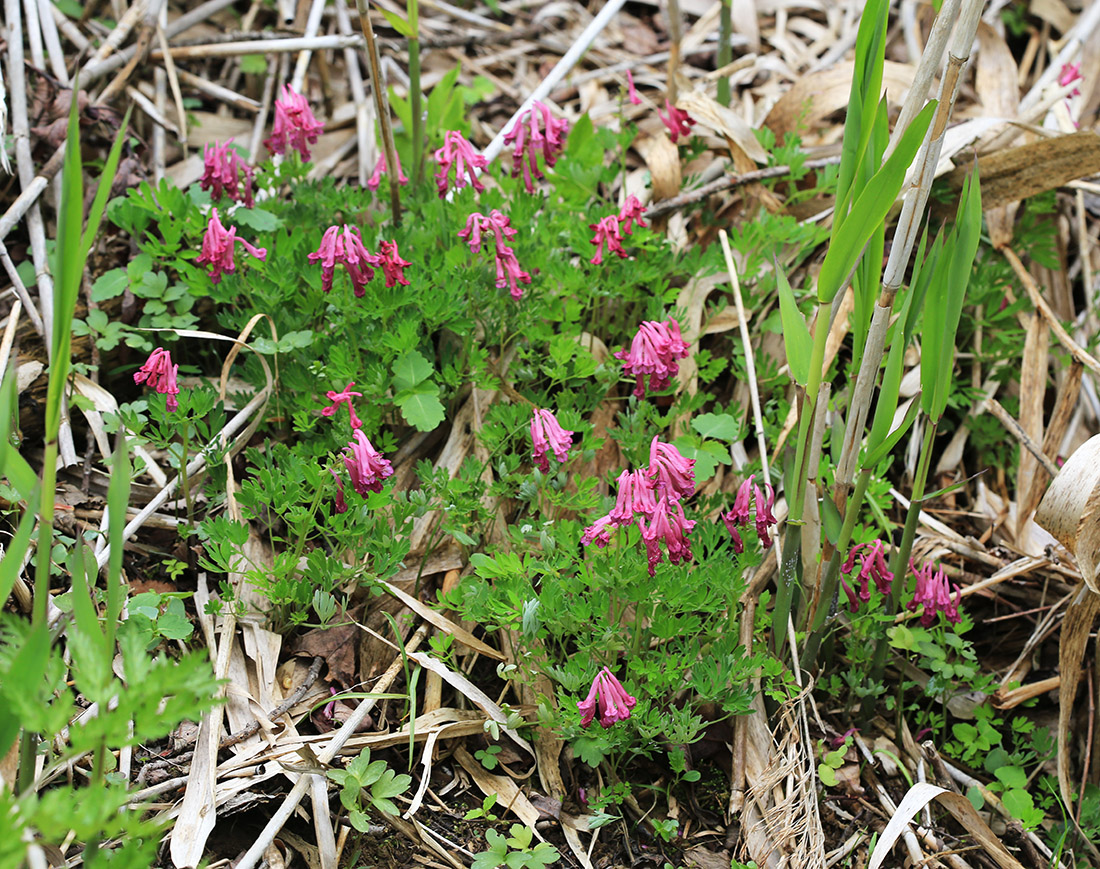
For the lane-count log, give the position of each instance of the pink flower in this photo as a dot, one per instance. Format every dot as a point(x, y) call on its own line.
point(672, 473)
point(339, 505)
point(222, 169)
point(344, 246)
point(509, 274)
point(607, 232)
point(669, 524)
point(159, 373)
point(338, 398)
point(217, 248)
point(934, 593)
point(636, 498)
point(294, 126)
point(365, 465)
point(632, 94)
point(679, 123)
point(738, 517)
point(599, 532)
point(631, 213)
point(546, 434)
point(1070, 73)
point(458, 152)
point(380, 167)
point(872, 566)
point(393, 267)
point(654, 351)
point(853, 598)
point(610, 695)
point(528, 138)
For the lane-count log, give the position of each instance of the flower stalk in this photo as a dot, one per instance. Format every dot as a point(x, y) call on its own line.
point(381, 105)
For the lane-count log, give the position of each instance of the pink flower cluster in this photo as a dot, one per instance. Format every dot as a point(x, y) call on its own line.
point(679, 122)
point(872, 566)
point(344, 246)
point(217, 248)
point(631, 91)
point(610, 698)
point(460, 154)
point(380, 167)
point(509, 274)
point(610, 230)
point(934, 594)
point(345, 397)
point(159, 373)
point(366, 467)
point(651, 498)
point(528, 138)
point(222, 174)
point(738, 517)
point(654, 351)
point(547, 434)
point(295, 126)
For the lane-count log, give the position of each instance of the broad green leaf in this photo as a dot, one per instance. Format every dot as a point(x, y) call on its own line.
point(796, 335)
point(411, 369)
point(870, 209)
point(12, 464)
point(253, 64)
point(1012, 776)
point(421, 406)
point(258, 219)
point(831, 520)
point(827, 775)
point(109, 285)
point(717, 425)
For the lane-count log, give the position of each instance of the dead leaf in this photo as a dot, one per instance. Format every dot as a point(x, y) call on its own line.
point(724, 121)
point(337, 645)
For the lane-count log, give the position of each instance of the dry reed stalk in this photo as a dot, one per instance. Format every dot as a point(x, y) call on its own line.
point(252, 857)
point(381, 108)
point(260, 122)
point(313, 25)
point(217, 91)
point(675, 37)
point(363, 128)
point(53, 42)
point(21, 292)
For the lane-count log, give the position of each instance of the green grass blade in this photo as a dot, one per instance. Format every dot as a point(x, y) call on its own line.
point(118, 497)
point(880, 452)
point(103, 191)
point(796, 335)
point(870, 209)
point(15, 553)
point(887, 403)
point(12, 465)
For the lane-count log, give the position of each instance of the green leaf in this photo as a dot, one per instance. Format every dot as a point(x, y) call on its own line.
point(411, 369)
point(590, 750)
point(796, 335)
point(880, 452)
point(1012, 776)
point(253, 64)
point(827, 775)
point(257, 219)
point(397, 23)
point(421, 406)
point(1018, 802)
point(870, 209)
point(109, 285)
point(717, 425)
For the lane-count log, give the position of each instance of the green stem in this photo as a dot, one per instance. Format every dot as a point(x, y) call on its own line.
point(45, 534)
point(415, 94)
point(725, 49)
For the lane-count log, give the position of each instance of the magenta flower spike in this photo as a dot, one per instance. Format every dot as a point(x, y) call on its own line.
point(159, 373)
point(738, 517)
point(380, 167)
point(217, 248)
point(609, 697)
point(872, 559)
point(668, 524)
point(345, 397)
point(366, 465)
point(393, 267)
point(672, 473)
point(1070, 73)
point(460, 154)
point(343, 246)
point(476, 224)
point(607, 233)
point(339, 504)
point(547, 434)
point(853, 598)
point(631, 213)
point(934, 593)
point(599, 532)
point(510, 275)
point(631, 92)
point(222, 171)
point(528, 138)
point(636, 498)
point(295, 126)
point(654, 351)
point(679, 123)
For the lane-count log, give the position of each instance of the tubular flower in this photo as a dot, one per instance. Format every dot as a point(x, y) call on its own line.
point(599, 532)
point(295, 126)
point(159, 373)
point(380, 167)
point(345, 397)
point(344, 246)
point(339, 505)
point(636, 498)
point(547, 433)
point(631, 92)
point(393, 267)
point(679, 123)
point(222, 169)
point(669, 524)
point(607, 232)
point(1070, 73)
point(673, 475)
point(934, 592)
point(528, 139)
point(631, 213)
point(610, 696)
point(217, 248)
point(738, 517)
point(365, 465)
point(458, 152)
point(509, 274)
point(654, 351)
point(872, 560)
